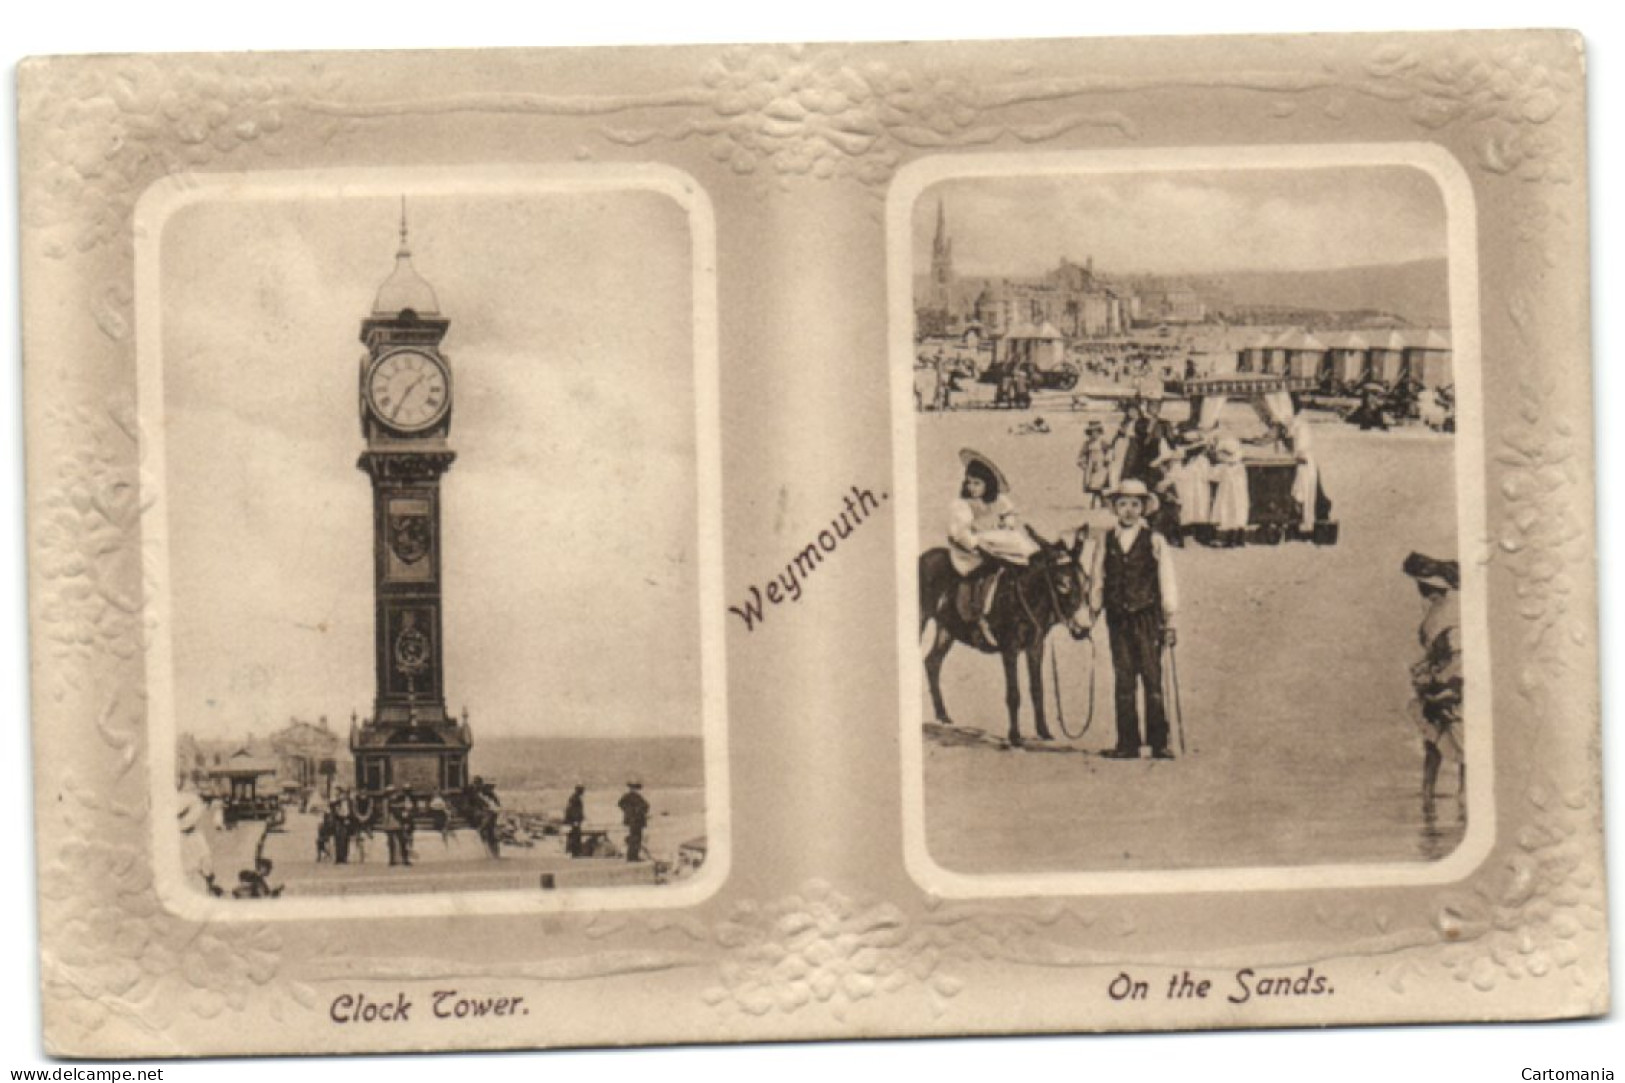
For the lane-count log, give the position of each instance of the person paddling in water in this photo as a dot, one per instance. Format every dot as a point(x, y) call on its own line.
point(984, 536)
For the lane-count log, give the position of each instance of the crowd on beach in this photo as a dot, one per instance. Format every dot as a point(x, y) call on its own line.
point(350, 821)
point(1198, 478)
point(941, 374)
point(353, 818)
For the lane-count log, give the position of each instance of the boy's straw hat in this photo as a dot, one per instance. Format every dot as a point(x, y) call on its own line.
point(1135, 487)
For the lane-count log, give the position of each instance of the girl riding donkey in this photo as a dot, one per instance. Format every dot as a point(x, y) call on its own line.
point(984, 537)
point(999, 588)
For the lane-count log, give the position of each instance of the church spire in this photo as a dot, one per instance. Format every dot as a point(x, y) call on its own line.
point(942, 250)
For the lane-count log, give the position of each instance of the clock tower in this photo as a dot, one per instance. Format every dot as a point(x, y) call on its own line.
point(406, 401)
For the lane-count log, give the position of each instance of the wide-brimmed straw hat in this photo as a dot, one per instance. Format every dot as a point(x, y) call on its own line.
point(970, 455)
point(1440, 574)
point(1135, 487)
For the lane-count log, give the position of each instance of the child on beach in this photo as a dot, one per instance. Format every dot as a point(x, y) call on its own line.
point(984, 535)
point(1133, 584)
point(1095, 460)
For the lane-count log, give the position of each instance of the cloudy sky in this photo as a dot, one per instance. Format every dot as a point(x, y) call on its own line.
point(569, 518)
point(1187, 222)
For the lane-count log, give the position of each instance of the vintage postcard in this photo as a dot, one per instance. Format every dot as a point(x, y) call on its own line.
point(810, 542)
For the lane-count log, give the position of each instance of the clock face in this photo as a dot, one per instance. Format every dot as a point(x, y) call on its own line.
point(408, 390)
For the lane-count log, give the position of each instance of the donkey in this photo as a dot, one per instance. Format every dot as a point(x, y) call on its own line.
point(1030, 601)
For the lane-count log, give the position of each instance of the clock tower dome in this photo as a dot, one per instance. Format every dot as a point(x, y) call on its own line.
point(406, 405)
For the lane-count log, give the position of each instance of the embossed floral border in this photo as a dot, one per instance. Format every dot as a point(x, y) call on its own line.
point(826, 956)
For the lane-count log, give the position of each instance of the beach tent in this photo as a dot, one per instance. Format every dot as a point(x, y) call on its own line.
point(1388, 358)
point(1348, 355)
point(1428, 358)
point(1305, 354)
point(1278, 351)
point(1250, 354)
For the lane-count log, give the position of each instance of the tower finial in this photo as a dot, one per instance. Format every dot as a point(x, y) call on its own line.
point(404, 250)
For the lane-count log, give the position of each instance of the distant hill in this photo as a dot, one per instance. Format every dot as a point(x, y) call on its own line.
point(1418, 292)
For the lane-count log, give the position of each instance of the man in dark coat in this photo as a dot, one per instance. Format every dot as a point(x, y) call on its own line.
point(635, 814)
point(484, 809)
point(575, 814)
point(397, 810)
point(1146, 442)
point(343, 813)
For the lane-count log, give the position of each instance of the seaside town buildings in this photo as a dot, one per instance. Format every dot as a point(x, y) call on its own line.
point(300, 755)
point(1040, 318)
point(1071, 297)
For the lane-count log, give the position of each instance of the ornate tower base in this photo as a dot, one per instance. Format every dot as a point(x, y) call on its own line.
point(424, 757)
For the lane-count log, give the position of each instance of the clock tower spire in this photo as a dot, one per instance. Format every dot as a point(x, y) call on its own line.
point(406, 403)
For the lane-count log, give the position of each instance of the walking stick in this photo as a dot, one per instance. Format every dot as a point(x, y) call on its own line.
point(1179, 709)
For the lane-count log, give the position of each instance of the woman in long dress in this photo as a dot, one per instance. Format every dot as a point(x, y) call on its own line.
point(1192, 478)
point(1231, 507)
point(1306, 479)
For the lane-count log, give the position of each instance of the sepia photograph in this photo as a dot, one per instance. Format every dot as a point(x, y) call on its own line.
point(432, 489)
point(1187, 495)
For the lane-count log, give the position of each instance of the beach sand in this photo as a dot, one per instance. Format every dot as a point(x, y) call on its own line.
point(1293, 665)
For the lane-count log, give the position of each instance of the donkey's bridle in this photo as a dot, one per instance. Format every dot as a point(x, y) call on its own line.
point(1076, 630)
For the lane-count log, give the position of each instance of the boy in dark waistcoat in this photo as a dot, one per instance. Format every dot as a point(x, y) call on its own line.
point(1133, 583)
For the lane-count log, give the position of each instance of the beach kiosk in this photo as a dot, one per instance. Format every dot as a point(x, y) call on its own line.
point(239, 781)
point(1036, 350)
